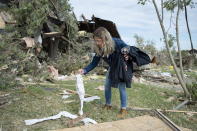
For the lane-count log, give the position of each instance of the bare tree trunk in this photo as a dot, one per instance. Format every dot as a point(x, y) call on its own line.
point(183, 85)
point(188, 26)
point(177, 40)
point(170, 22)
point(162, 15)
point(190, 37)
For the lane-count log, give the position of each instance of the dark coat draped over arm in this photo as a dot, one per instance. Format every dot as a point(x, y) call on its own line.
point(121, 70)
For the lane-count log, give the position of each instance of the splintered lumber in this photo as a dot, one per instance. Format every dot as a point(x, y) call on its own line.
point(52, 34)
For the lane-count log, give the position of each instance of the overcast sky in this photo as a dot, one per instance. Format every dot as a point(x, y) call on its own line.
point(131, 18)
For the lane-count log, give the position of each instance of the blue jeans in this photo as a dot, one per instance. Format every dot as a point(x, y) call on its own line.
point(122, 90)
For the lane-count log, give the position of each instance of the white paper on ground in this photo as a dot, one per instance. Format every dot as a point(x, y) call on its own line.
point(166, 74)
point(62, 77)
point(88, 121)
point(62, 113)
point(88, 99)
point(66, 93)
point(80, 91)
point(65, 96)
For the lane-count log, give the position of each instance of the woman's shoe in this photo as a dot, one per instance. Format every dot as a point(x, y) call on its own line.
point(107, 107)
point(123, 113)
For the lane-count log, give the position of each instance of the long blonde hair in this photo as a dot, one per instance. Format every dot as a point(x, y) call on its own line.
point(109, 45)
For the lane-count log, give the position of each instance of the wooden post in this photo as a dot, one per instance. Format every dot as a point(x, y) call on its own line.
point(53, 48)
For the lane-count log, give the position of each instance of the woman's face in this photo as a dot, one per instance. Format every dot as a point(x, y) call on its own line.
point(99, 42)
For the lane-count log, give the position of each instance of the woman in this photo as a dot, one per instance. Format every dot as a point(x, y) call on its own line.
point(120, 58)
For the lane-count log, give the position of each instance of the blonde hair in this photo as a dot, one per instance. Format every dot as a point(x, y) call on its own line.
point(109, 45)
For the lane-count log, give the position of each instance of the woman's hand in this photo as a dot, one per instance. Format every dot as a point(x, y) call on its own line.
point(126, 57)
point(81, 71)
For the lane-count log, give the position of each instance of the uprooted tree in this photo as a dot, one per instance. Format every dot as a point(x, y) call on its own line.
point(53, 27)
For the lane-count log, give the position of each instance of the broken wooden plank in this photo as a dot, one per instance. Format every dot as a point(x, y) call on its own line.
point(177, 111)
point(162, 110)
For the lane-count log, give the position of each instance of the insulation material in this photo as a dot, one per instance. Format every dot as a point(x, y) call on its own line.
point(2, 23)
point(88, 99)
point(80, 91)
point(62, 113)
point(53, 71)
point(65, 96)
point(29, 41)
point(66, 92)
point(88, 121)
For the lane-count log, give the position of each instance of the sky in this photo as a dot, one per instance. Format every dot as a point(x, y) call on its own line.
point(132, 18)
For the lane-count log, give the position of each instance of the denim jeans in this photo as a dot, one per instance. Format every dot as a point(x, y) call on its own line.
point(122, 90)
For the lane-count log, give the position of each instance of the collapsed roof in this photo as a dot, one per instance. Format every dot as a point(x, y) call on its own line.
point(91, 25)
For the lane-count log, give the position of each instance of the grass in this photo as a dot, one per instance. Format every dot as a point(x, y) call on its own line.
point(39, 101)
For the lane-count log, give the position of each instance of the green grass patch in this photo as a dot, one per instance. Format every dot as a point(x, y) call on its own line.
point(38, 101)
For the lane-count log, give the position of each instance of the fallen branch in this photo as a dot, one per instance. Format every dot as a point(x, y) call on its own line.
point(75, 92)
point(182, 104)
point(72, 122)
point(10, 22)
point(64, 38)
point(4, 103)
